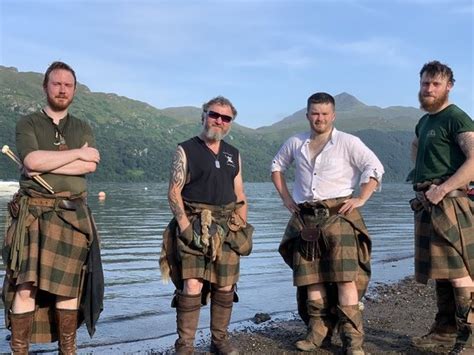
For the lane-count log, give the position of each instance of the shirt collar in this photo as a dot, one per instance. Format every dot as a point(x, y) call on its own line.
point(334, 136)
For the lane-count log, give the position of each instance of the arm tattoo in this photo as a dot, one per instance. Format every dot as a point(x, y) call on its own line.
point(466, 143)
point(178, 169)
point(177, 180)
point(175, 207)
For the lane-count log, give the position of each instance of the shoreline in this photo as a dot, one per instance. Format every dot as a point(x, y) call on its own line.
point(393, 314)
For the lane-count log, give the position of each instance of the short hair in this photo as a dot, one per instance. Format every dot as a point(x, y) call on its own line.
point(219, 100)
point(55, 66)
point(320, 98)
point(435, 68)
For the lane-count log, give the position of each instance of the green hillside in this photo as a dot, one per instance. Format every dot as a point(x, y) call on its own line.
point(137, 141)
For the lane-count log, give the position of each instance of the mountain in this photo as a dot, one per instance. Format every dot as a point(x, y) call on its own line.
point(137, 140)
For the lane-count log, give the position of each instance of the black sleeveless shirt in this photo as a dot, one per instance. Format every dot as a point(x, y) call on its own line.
point(208, 183)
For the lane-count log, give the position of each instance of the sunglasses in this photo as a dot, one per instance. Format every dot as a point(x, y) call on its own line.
point(215, 115)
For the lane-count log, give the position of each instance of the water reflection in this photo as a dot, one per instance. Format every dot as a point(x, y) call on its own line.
point(132, 218)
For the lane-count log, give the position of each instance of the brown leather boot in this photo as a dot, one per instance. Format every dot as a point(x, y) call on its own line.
point(351, 329)
point(443, 331)
point(187, 319)
point(66, 320)
point(221, 310)
point(318, 327)
point(21, 325)
point(464, 319)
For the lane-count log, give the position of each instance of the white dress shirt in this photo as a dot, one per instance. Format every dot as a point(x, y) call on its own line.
point(344, 162)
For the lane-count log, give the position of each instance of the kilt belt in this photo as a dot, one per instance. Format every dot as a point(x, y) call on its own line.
point(444, 247)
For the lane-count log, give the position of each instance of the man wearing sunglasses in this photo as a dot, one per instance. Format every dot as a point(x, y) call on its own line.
point(52, 238)
point(326, 240)
point(443, 152)
point(203, 243)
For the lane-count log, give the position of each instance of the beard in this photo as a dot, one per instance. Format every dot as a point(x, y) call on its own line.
point(59, 103)
point(432, 104)
point(214, 134)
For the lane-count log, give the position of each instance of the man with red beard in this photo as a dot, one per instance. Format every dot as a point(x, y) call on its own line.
point(443, 151)
point(326, 242)
point(51, 239)
point(203, 243)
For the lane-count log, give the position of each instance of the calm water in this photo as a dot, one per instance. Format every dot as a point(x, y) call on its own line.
point(137, 304)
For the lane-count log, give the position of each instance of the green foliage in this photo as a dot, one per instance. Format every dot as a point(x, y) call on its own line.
point(137, 141)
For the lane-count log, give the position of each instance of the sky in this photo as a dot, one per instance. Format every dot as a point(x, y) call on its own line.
point(266, 56)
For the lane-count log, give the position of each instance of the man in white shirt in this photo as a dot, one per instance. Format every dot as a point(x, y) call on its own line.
point(326, 240)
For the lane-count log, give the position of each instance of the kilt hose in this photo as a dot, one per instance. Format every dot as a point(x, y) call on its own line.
point(180, 260)
point(52, 256)
point(444, 239)
point(346, 256)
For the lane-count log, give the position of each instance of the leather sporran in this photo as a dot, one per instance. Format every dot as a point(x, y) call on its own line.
point(313, 243)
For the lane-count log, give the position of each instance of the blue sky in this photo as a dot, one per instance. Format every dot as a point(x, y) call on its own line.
point(266, 56)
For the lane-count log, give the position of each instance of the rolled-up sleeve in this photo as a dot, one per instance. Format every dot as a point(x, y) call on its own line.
point(283, 158)
point(368, 163)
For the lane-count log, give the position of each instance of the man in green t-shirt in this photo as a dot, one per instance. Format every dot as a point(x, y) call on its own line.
point(49, 244)
point(443, 151)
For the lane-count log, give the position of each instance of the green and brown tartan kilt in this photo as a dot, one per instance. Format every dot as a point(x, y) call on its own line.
point(186, 262)
point(444, 239)
point(54, 255)
point(346, 258)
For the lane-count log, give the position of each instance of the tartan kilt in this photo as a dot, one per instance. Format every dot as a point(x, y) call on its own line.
point(180, 261)
point(444, 239)
point(54, 259)
point(347, 257)
point(224, 271)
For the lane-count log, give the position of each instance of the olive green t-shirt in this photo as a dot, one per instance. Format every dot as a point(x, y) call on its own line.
point(37, 132)
point(439, 154)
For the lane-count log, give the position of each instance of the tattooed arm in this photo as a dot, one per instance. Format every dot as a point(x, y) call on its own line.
point(177, 181)
point(463, 175)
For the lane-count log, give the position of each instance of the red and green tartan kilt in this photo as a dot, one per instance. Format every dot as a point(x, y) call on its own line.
point(444, 239)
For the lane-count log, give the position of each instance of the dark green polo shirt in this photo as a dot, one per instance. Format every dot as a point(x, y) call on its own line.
point(37, 132)
point(439, 154)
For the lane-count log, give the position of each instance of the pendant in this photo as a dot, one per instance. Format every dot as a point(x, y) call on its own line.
point(218, 164)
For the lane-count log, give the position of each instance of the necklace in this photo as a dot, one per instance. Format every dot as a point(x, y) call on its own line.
point(215, 156)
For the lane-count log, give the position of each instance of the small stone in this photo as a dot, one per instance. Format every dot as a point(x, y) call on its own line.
point(261, 317)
